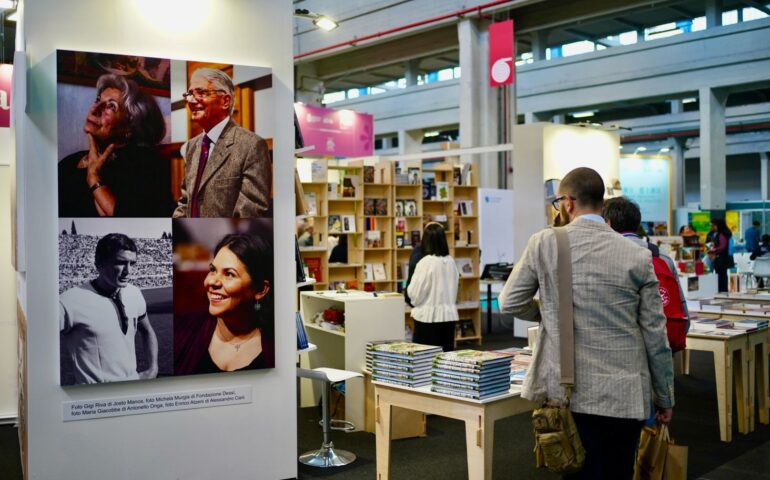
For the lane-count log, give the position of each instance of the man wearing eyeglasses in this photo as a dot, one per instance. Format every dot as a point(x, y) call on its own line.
point(622, 356)
point(227, 168)
point(100, 319)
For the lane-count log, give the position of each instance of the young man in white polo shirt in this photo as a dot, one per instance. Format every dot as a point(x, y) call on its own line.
point(99, 319)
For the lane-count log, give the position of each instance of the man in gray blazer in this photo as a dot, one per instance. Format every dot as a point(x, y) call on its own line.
point(622, 357)
point(227, 168)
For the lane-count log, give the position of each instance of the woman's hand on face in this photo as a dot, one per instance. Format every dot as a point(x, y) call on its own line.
point(96, 160)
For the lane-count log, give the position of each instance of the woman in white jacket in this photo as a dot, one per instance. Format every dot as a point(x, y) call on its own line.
point(433, 291)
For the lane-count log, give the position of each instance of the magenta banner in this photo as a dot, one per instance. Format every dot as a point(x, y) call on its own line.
point(339, 133)
point(6, 74)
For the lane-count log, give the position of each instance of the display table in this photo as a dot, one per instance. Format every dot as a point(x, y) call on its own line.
point(367, 318)
point(758, 376)
point(730, 360)
point(479, 418)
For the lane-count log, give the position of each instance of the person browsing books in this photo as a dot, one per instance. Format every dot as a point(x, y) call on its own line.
point(433, 291)
point(622, 357)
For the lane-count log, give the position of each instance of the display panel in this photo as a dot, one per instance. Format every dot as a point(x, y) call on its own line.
point(142, 140)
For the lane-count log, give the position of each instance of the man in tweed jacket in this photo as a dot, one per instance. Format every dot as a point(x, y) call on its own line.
point(232, 178)
point(622, 357)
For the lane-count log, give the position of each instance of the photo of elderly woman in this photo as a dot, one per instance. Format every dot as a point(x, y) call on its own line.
point(223, 295)
point(111, 123)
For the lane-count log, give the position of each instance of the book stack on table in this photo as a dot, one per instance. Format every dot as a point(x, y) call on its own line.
point(402, 363)
point(749, 325)
point(714, 328)
point(471, 374)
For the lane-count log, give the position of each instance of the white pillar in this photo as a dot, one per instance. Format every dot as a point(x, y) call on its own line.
point(409, 141)
point(713, 13)
point(765, 175)
point(539, 44)
point(412, 70)
point(713, 166)
point(478, 101)
point(676, 106)
point(533, 117)
point(678, 173)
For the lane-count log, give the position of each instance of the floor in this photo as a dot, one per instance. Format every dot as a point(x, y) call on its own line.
point(441, 455)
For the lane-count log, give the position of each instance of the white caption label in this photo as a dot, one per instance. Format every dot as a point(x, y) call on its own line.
point(160, 402)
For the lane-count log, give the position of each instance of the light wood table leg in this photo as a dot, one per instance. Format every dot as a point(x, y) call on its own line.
point(724, 382)
point(686, 361)
point(741, 373)
point(760, 362)
point(479, 439)
point(382, 429)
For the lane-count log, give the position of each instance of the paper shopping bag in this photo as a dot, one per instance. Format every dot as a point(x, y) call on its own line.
point(676, 463)
point(653, 450)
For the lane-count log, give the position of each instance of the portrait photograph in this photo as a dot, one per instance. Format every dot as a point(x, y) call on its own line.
point(223, 295)
point(115, 299)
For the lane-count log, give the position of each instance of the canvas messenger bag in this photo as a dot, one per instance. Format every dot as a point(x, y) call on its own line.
point(557, 443)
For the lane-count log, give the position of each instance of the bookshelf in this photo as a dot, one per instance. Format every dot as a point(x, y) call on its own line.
point(390, 204)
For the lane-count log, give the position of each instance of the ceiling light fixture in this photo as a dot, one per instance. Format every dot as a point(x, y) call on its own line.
point(640, 149)
point(323, 22)
point(664, 150)
point(586, 114)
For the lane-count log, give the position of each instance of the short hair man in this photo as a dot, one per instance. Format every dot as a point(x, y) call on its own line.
point(99, 319)
point(622, 357)
point(227, 168)
point(751, 236)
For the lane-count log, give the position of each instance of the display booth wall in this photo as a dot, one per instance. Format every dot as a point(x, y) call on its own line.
point(256, 439)
point(8, 360)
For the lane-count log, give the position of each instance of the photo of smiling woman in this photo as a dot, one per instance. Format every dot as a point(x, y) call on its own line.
point(228, 325)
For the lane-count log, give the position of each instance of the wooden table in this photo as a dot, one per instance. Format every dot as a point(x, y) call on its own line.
point(730, 360)
point(758, 376)
point(479, 418)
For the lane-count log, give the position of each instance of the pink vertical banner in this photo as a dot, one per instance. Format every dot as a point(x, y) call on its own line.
point(6, 74)
point(501, 67)
point(338, 133)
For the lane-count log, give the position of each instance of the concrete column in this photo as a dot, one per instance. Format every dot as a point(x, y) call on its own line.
point(559, 118)
point(677, 173)
point(409, 141)
point(713, 166)
point(713, 13)
point(533, 117)
point(412, 70)
point(539, 44)
point(640, 35)
point(676, 106)
point(765, 175)
point(309, 88)
point(478, 101)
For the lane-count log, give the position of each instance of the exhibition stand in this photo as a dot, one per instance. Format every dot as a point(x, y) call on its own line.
point(254, 436)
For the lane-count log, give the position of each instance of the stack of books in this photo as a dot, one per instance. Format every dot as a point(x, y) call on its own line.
point(749, 325)
point(402, 363)
point(471, 374)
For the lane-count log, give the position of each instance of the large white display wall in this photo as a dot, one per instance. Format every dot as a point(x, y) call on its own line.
point(253, 439)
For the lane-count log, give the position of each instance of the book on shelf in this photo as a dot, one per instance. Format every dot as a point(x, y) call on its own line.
point(349, 186)
point(335, 224)
point(331, 190)
point(465, 208)
point(402, 178)
point(398, 208)
point(368, 174)
point(305, 228)
point(302, 342)
point(348, 224)
point(438, 218)
point(300, 269)
point(370, 223)
point(413, 174)
point(368, 272)
point(400, 224)
point(461, 174)
point(312, 203)
point(373, 239)
point(415, 237)
point(381, 206)
point(429, 186)
point(318, 172)
point(466, 328)
point(464, 267)
point(410, 208)
point(400, 240)
point(369, 206)
point(314, 268)
point(378, 270)
point(442, 191)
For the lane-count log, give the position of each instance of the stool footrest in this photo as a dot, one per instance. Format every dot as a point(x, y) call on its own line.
point(341, 425)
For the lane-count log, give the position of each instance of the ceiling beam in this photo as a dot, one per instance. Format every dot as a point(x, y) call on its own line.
point(683, 11)
point(628, 23)
point(586, 36)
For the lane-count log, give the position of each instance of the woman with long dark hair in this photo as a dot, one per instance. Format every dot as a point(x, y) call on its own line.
point(719, 251)
point(236, 332)
point(433, 291)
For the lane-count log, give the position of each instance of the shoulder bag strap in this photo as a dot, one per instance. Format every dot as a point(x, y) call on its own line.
point(566, 324)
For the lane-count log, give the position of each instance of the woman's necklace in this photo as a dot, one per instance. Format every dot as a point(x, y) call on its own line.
point(237, 345)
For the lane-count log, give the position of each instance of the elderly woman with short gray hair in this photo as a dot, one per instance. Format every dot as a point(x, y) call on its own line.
point(122, 174)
